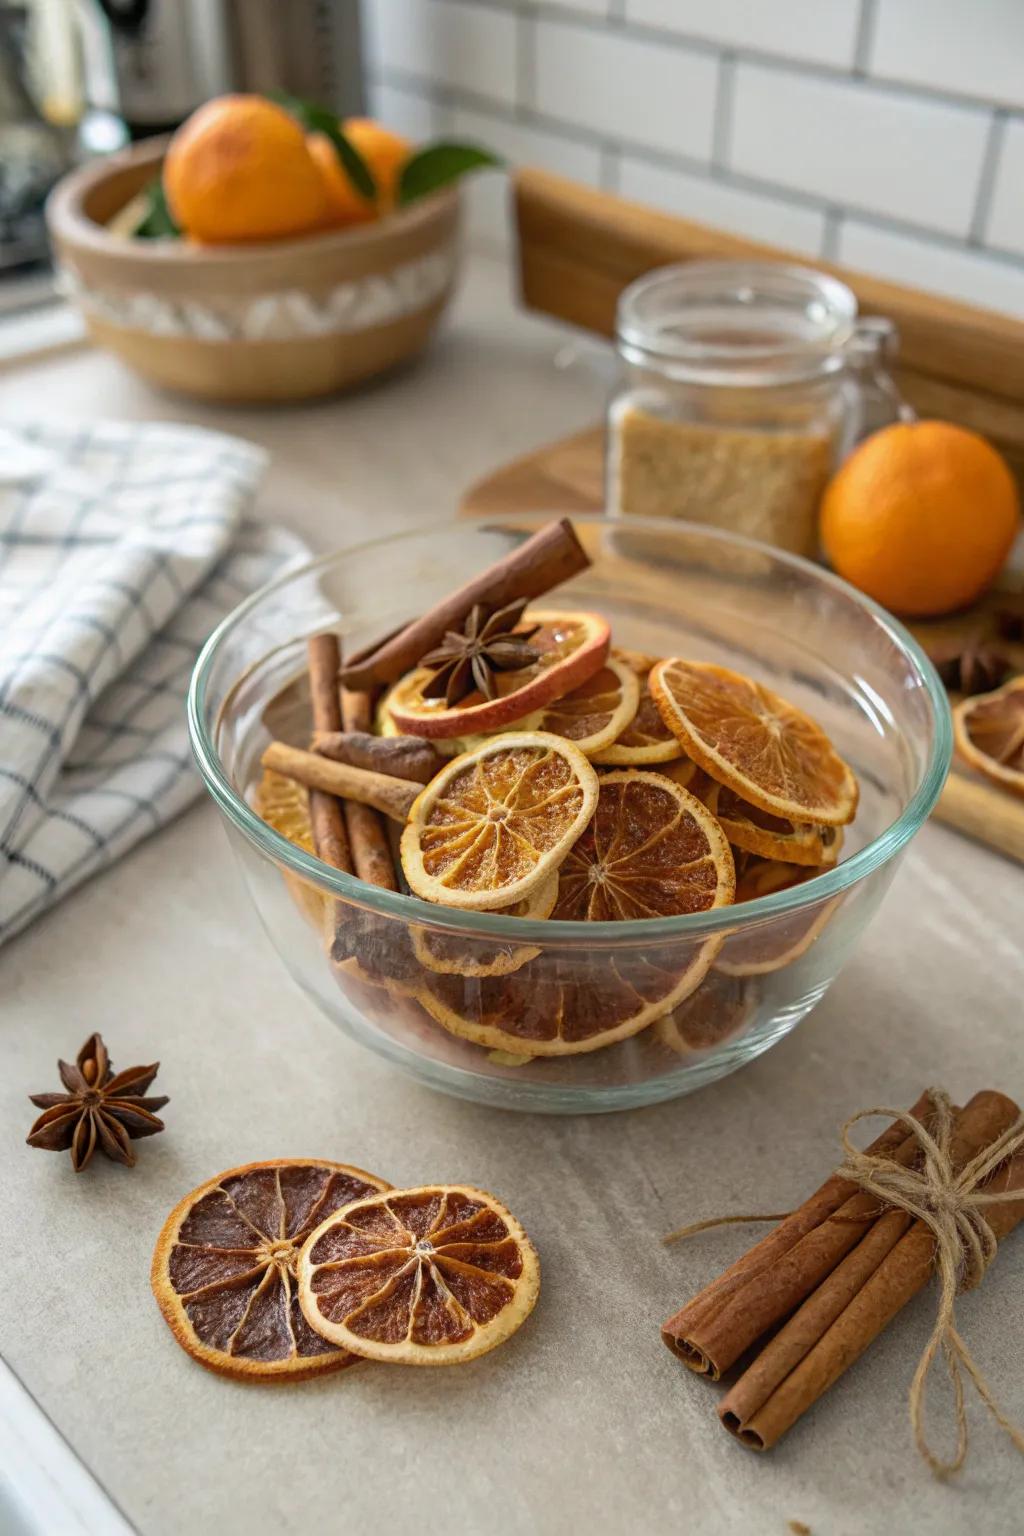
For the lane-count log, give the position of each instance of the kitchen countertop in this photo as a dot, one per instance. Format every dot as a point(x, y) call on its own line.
point(584, 1421)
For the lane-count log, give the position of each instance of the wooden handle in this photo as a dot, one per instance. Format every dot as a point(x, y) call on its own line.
point(392, 796)
point(982, 811)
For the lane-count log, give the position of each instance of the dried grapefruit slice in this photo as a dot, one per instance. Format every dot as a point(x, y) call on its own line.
point(495, 822)
point(747, 737)
point(572, 646)
point(990, 734)
point(429, 1276)
point(224, 1266)
point(451, 954)
point(645, 739)
point(651, 850)
point(760, 832)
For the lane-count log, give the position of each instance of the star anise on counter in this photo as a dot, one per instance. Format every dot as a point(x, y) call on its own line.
point(969, 667)
point(98, 1109)
point(489, 643)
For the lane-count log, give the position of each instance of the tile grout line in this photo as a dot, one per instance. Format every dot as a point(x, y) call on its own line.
point(721, 126)
point(865, 37)
point(987, 180)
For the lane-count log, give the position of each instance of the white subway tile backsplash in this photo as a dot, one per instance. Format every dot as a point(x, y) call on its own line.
point(455, 42)
point(967, 47)
point(1006, 221)
point(623, 88)
point(820, 31)
point(406, 111)
point(759, 216)
point(855, 145)
point(965, 274)
point(487, 194)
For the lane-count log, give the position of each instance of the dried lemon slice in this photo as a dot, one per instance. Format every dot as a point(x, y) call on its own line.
point(428, 1276)
point(747, 737)
point(495, 822)
point(224, 1267)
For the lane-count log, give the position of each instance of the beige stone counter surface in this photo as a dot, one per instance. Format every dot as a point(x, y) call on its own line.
point(583, 1423)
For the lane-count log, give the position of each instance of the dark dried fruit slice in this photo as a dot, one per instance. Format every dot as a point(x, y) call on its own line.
point(428, 1276)
point(224, 1267)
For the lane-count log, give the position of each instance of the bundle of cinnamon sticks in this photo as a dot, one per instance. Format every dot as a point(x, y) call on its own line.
point(812, 1295)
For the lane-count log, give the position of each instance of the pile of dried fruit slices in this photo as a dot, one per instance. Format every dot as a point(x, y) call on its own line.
point(297, 1267)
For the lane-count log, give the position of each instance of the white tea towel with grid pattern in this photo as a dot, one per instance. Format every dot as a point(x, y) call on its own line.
point(121, 547)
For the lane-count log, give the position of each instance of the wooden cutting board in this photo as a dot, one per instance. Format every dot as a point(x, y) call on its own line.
point(568, 476)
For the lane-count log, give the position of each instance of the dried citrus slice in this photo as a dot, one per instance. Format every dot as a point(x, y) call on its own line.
point(495, 822)
point(224, 1266)
point(593, 714)
point(651, 850)
point(774, 945)
point(384, 725)
point(681, 770)
point(760, 832)
point(430, 1276)
point(564, 1005)
point(284, 805)
point(747, 737)
point(572, 646)
point(990, 734)
point(718, 1010)
point(645, 738)
point(452, 954)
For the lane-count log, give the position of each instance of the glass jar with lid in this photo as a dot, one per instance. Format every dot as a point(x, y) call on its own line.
point(743, 385)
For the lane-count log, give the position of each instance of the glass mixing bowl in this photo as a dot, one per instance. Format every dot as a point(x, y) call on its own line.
point(465, 1001)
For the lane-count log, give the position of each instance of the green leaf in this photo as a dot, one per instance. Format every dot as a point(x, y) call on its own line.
point(319, 120)
point(157, 223)
point(439, 164)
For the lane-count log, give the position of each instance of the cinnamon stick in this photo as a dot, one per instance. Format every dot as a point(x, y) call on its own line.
point(403, 757)
point(863, 1295)
point(687, 1332)
point(367, 829)
point(330, 836)
point(392, 796)
point(550, 556)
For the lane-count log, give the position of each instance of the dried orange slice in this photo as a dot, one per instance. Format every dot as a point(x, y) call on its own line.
point(572, 646)
point(495, 822)
point(772, 946)
point(451, 954)
point(430, 1276)
point(747, 737)
point(645, 739)
point(990, 734)
point(594, 714)
point(760, 832)
point(284, 805)
point(651, 850)
point(225, 1263)
point(720, 1009)
point(564, 1005)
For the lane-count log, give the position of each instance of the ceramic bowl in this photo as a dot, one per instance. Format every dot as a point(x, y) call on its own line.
point(277, 320)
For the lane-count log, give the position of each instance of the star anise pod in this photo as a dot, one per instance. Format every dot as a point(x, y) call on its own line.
point(489, 643)
point(98, 1108)
point(969, 667)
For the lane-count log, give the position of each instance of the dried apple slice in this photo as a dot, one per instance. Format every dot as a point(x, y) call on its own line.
point(572, 647)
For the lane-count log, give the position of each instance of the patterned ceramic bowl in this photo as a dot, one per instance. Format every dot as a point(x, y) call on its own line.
point(280, 320)
point(492, 1007)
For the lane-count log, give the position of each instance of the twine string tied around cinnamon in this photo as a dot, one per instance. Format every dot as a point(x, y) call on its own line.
point(951, 1204)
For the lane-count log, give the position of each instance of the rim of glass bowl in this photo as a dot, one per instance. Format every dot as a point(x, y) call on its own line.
point(571, 934)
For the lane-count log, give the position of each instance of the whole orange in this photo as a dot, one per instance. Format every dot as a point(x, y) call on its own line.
point(239, 169)
point(385, 154)
point(920, 517)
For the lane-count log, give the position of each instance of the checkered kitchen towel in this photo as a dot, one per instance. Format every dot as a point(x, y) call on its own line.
point(121, 547)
